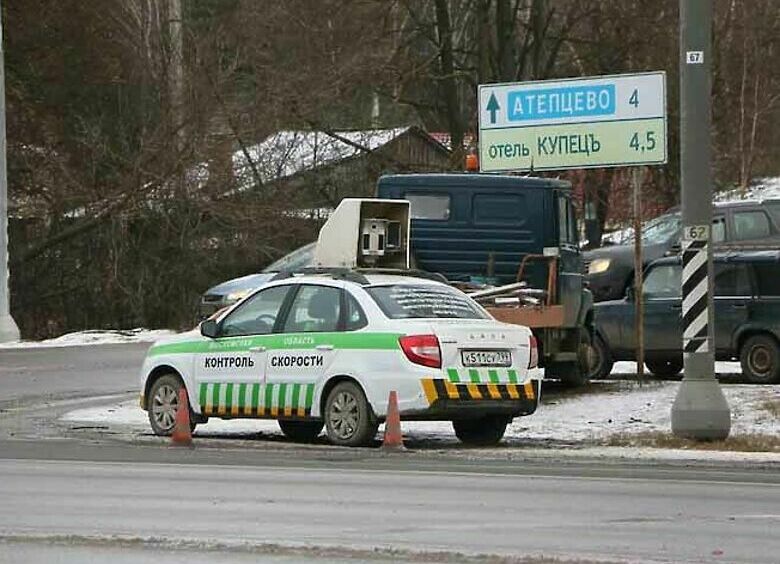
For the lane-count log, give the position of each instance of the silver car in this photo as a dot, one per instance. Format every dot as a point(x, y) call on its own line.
point(228, 293)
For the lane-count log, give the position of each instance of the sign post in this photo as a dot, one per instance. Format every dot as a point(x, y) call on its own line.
point(639, 305)
point(700, 410)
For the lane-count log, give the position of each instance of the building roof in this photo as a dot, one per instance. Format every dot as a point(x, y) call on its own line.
point(287, 153)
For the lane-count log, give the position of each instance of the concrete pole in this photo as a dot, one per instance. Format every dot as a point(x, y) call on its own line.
point(8, 329)
point(700, 410)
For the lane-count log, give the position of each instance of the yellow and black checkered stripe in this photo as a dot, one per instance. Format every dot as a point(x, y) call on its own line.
point(440, 389)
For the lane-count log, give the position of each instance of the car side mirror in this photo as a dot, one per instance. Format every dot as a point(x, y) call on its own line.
point(630, 294)
point(209, 328)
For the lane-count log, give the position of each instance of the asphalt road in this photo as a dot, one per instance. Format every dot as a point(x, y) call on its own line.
point(56, 372)
point(663, 519)
point(93, 497)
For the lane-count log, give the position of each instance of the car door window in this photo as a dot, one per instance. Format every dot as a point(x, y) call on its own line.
point(429, 206)
point(663, 282)
point(718, 229)
point(732, 280)
point(257, 315)
point(751, 225)
point(314, 309)
point(355, 318)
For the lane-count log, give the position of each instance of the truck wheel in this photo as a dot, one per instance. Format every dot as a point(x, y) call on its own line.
point(576, 373)
point(484, 431)
point(164, 403)
point(760, 359)
point(349, 419)
point(601, 359)
point(664, 368)
point(301, 431)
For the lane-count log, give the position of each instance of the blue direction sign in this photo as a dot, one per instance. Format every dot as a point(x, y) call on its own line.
point(603, 121)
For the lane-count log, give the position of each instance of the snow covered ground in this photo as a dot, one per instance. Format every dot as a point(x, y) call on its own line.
point(95, 337)
point(610, 409)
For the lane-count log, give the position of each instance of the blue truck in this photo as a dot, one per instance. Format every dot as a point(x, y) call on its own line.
point(503, 230)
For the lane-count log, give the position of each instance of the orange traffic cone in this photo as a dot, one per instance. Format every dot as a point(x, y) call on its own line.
point(393, 439)
point(182, 433)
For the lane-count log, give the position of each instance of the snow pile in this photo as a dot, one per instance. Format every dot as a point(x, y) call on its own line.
point(95, 337)
point(761, 189)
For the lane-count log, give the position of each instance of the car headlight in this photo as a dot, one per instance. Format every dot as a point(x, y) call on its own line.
point(235, 296)
point(598, 266)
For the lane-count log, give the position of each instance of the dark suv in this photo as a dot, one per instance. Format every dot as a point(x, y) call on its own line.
point(610, 270)
point(747, 317)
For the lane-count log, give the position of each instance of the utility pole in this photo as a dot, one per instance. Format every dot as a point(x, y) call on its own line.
point(700, 410)
point(8, 329)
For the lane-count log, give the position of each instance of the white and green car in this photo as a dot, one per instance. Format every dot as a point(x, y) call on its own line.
point(327, 349)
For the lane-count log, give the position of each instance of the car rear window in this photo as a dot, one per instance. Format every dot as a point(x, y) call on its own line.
point(408, 301)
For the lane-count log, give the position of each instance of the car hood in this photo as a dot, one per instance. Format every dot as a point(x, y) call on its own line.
point(249, 282)
point(625, 253)
point(179, 337)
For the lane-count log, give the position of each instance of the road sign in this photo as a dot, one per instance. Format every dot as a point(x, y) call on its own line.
point(602, 121)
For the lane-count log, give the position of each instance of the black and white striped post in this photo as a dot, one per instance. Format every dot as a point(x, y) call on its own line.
point(700, 410)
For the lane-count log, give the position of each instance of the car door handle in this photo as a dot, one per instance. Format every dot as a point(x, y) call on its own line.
point(739, 306)
point(324, 347)
point(259, 348)
point(676, 306)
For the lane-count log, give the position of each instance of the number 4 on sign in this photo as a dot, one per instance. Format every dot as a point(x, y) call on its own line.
point(634, 99)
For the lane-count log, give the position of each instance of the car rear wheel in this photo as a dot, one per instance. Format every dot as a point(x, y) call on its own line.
point(760, 359)
point(664, 368)
point(349, 420)
point(301, 431)
point(601, 362)
point(164, 403)
point(483, 431)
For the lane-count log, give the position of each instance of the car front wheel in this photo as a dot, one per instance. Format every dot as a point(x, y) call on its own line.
point(760, 359)
point(164, 403)
point(349, 420)
point(483, 431)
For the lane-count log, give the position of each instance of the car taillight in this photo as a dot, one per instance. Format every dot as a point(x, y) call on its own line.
point(533, 357)
point(422, 349)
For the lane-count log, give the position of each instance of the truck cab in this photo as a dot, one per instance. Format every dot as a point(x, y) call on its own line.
point(494, 230)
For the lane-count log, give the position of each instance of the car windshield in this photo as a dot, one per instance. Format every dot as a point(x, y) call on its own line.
point(408, 301)
point(661, 229)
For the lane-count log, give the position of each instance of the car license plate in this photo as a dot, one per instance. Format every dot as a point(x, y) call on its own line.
point(486, 358)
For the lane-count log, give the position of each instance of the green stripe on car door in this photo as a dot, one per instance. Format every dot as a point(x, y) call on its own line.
point(354, 341)
point(309, 396)
point(241, 397)
point(269, 396)
point(215, 396)
point(296, 392)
